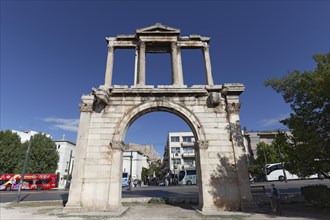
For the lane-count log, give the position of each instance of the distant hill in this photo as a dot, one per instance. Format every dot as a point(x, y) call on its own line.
point(146, 150)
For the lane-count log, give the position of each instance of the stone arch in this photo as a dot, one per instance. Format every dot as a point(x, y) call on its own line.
point(163, 105)
point(107, 113)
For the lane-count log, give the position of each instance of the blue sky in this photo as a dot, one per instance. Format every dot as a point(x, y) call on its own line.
point(52, 52)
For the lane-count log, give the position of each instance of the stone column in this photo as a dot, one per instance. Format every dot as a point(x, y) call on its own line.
point(136, 65)
point(233, 106)
point(208, 68)
point(109, 67)
point(142, 65)
point(174, 55)
point(74, 200)
point(180, 72)
point(114, 199)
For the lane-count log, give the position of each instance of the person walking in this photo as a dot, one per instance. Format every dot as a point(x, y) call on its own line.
point(276, 200)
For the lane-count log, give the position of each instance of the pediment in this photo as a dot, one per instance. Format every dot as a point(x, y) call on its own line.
point(158, 29)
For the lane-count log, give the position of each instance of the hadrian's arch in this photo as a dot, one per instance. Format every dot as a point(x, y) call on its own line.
point(211, 111)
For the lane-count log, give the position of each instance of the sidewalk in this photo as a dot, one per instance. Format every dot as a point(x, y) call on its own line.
point(54, 210)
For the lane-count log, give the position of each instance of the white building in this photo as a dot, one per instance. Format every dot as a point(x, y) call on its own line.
point(179, 151)
point(66, 151)
point(133, 162)
point(26, 135)
point(253, 138)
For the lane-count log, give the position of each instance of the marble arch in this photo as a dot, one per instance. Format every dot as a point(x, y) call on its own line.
point(212, 112)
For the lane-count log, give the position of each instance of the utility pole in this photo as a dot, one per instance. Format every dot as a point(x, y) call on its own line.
point(68, 173)
point(279, 151)
point(24, 169)
point(174, 170)
point(130, 170)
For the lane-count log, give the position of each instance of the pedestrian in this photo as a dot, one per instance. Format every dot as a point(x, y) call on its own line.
point(276, 200)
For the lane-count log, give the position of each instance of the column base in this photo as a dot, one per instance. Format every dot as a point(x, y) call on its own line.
point(72, 208)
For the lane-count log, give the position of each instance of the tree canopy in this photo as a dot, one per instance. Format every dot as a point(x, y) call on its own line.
point(12, 152)
point(43, 155)
point(308, 94)
point(269, 153)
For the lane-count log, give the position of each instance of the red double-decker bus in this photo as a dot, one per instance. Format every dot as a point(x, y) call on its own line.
point(30, 182)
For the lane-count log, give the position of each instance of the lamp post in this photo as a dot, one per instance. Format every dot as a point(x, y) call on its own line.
point(24, 169)
point(130, 170)
point(68, 172)
point(279, 152)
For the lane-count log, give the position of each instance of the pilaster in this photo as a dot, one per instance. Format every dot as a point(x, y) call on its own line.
point(74, 200)
point(246, 200)
point(114, 197)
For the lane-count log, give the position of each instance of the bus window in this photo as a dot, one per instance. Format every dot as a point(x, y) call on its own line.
point(187, 177)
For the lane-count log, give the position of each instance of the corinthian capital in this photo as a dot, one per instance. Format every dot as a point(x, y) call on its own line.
point(117, 145)
point(87, 103)
point(234, 107)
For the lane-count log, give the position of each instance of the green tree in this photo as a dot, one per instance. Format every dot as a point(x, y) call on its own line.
point(266, 154)
point(154, 168)
point(11, 151)
point(43, 156)
point(270, 153)
point(308, 94)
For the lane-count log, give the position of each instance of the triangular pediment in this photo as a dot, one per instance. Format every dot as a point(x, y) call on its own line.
point(158, 29)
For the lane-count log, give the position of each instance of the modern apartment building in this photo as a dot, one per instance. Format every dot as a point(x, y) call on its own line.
point(179, 152)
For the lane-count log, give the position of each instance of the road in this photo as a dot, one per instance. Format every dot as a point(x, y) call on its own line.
point(156, 191)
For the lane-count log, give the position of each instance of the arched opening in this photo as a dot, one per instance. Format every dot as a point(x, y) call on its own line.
point(160, 146)
point(181, 154)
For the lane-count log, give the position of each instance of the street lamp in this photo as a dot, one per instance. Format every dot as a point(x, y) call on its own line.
point(279, 151)
point(68, 172)
point(24, 169)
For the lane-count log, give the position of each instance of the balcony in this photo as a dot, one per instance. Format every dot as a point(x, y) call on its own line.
point(188, 154)
point(188, 144)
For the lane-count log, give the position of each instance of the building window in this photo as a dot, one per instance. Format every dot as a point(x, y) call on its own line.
point(187, 139)
point(175, 150)
point(176, 161)
point(175, 139)
point(189, 162)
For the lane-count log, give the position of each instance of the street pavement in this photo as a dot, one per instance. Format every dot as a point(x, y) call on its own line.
point(140, 206)
point(53, 210)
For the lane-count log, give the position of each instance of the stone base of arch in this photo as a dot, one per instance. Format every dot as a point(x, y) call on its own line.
point(212, 112)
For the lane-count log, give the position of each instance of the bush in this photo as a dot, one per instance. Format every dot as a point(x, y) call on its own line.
point(317, 194)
